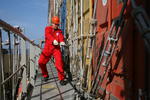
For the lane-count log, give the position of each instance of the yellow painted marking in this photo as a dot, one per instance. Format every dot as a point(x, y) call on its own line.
point(48, 86)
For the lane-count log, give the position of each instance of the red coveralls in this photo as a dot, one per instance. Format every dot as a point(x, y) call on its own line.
point(52, 50)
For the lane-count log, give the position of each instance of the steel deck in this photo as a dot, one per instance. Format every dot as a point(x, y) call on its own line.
point(48, 90)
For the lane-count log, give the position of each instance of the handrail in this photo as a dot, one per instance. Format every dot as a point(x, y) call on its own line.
point(22, 63)
point(7, 26)
point(12, 75)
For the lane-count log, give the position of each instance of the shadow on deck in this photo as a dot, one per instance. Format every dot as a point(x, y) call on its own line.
point(49, 90)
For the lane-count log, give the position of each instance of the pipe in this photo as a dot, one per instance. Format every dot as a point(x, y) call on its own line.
point(2, 67)
point(81, 66)
point(81, 18)
point(12, 75)
point(10, 63)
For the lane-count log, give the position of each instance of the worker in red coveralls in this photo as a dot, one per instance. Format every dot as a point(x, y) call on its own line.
point(53, 40)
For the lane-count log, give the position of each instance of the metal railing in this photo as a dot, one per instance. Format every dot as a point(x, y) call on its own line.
point(18, 62)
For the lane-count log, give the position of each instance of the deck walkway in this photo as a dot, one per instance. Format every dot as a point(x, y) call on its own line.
point(49, 90)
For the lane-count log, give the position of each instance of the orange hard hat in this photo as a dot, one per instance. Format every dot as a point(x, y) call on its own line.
point(55, 20)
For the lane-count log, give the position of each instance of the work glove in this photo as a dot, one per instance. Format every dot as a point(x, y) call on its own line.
point(62, 44)
point(55, 42)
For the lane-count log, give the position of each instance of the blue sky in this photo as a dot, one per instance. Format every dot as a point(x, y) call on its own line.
point(30, 14)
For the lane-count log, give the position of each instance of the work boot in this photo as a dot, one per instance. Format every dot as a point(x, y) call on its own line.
point(63, 82)
point(45, 79)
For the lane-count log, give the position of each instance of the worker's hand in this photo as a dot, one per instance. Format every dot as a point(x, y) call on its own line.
point(62, 44)
point(55, 42)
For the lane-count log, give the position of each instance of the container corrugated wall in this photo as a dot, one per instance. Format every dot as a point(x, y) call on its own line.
point(129, 72)
point(128, 62)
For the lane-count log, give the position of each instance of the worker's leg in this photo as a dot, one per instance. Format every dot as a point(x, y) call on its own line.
point(42, 64)
point(59, 64)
